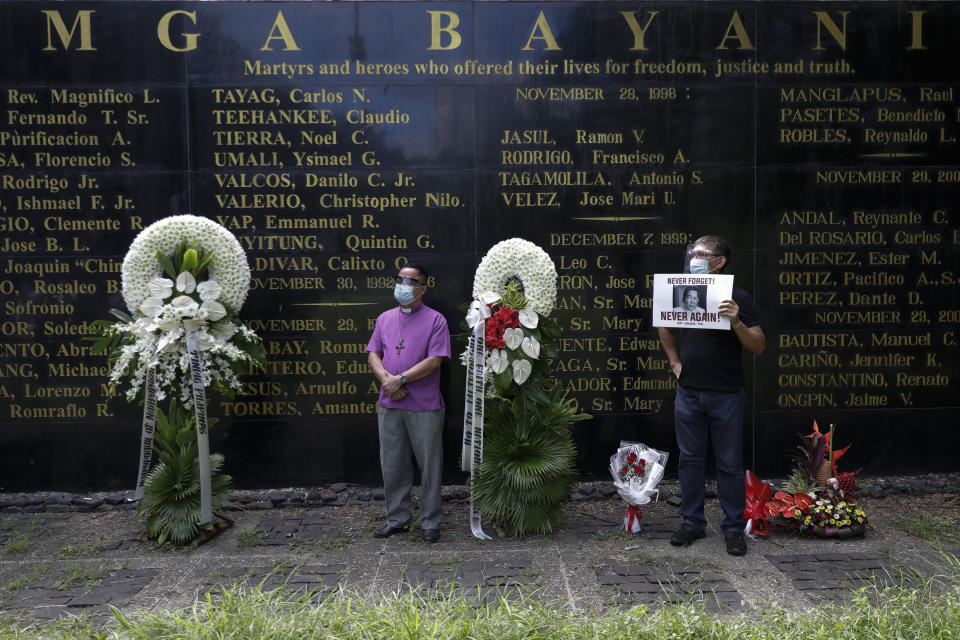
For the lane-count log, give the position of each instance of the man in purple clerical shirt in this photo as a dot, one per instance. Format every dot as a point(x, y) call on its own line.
point(406, 350)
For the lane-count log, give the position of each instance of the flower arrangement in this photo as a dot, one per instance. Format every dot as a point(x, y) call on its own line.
point(517, 259)
point(166, 312)
point(182, 335)
point(149, 253)
point(816, 498)
point(633, 468)
point(637, 470)
point(528, 458)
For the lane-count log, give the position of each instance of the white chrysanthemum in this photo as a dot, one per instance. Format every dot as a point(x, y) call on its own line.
point(229, 266)
point(521, 259)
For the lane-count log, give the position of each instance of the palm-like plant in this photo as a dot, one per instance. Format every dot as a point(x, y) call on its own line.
point(171, 497)
point(528, 463)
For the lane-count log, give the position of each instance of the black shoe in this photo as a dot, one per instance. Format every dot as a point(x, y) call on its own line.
point(736, 545)
point(389, 530)
point(685, 535)
point(431, 535)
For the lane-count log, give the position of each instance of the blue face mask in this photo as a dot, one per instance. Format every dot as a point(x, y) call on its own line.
point(403, 293)
point(699, 265)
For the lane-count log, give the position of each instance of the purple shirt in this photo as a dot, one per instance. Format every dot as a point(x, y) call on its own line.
point(423, 333)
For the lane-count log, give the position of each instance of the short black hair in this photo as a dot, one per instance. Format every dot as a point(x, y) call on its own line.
point(423, 272)
point(689, 289)
point(720, 247)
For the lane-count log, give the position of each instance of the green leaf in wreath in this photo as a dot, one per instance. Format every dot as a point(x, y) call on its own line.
point(124, 317)
point(504, 379)
point(205, 261)
point(167, 265)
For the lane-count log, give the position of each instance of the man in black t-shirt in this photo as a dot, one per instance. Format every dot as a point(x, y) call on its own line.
point(710, 402)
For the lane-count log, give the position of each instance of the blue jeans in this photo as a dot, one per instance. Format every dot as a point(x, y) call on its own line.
point(719, 416)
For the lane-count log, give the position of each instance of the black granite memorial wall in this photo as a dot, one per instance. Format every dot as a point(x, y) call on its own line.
point(340, 140)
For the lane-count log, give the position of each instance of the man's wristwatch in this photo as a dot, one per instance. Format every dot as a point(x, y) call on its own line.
point(403, 380)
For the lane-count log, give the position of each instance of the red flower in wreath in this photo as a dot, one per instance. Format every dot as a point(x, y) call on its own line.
point(503, 318)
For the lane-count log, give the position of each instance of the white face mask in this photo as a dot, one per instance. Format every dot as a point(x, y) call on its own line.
point(699, 265)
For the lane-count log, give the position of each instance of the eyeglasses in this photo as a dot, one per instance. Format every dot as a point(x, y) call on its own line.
point(407, 280)
point(705, 253)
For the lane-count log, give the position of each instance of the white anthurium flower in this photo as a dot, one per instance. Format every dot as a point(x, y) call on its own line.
point(498, 360)
point(151, 307)
point(529, 318)
point(166, 324)
point(205, 341)
point(513, 337)
point(209, 290)
point(193, 324)
point(478, 311)
point(168, 340)
point(224, 330)
point(531, 347)
point(160, 288)
point(186, 283)
point(183, 301)
point(214, 310)
point(489, 297)
point(521, 370)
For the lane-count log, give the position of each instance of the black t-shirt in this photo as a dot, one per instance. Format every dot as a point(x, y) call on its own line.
point(712, 357)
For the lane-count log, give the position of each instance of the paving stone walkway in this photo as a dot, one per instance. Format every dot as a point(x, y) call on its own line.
point(57, 564)
point(480, 582)
point(835, 576)
point(668, 583)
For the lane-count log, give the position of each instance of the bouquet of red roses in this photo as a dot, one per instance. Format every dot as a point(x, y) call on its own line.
point(637, 470)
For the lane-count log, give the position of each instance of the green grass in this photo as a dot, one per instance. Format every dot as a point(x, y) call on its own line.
point(934, 529)
point(90, 549)
point(29, 577)
point(250, 538)
point(20, 540)
point(320, 545)
point(66, 578)
point(245, 614)
point(16, 544)
point(77, 576)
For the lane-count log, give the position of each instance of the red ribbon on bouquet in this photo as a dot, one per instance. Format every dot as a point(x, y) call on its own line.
point(633, 515)
point(758, 494)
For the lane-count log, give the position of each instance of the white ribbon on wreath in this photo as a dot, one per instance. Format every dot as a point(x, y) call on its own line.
point(471, 455)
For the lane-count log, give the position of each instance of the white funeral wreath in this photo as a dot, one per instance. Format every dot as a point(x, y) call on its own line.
point(230, 269)
point(521, 259)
